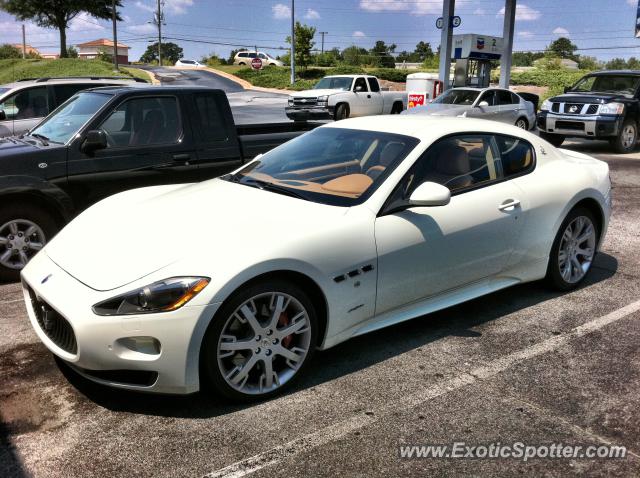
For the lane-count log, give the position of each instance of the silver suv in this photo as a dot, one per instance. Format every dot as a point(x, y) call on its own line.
point(24, 103)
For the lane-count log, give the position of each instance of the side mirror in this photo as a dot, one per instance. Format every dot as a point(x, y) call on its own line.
point(94, 140)
point(567, 89)
point(483, 103)
point(430, 194)
point(3, 115)
point(359, 89)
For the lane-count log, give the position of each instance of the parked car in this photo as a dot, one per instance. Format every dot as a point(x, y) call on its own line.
point(106, 140)
point(602, 105)
point(189, 63)
point(244, 58)
point(24, 103)
point(495, 104)
point(354, 226)
point(344, 96)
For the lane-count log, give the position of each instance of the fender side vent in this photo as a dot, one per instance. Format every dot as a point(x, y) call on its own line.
point(340, 278)
point(353, 273)
point(367, 268)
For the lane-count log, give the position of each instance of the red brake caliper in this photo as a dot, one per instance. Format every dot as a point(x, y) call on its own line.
point(283, 321)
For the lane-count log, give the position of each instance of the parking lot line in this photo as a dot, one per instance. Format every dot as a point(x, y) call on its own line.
point(338, 430)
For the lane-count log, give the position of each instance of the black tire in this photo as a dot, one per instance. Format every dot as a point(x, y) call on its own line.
point(522, 123)
point(242, 63)
point(554, 139)
point(342, 112)
point(554, 277)
point(25, 212)
point(622, 144)
point(396, 109)
point(211, 378)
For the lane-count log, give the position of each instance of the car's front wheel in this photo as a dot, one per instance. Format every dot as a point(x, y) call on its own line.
point(573, 250)
point(626, 141)
point(259, 341)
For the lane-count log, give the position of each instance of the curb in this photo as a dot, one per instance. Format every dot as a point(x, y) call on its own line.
point(244, 83)
point(150, 74)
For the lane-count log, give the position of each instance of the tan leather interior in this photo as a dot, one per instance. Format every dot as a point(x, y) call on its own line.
point(350, 184)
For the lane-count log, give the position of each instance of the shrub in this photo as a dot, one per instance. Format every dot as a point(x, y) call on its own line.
point(9, 51)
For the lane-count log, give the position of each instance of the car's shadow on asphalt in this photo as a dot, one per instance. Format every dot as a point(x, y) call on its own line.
point(355, 354)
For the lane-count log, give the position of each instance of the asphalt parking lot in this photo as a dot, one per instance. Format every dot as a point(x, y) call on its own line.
point(522, 365)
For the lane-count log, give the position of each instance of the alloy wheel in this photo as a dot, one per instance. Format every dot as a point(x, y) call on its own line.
point(577, 248)
point(264, 343)
point(628, 136)
point(20, 240)
point(521, 124)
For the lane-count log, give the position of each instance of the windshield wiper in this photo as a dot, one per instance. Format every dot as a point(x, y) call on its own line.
point(275, 188)
point(41, 137)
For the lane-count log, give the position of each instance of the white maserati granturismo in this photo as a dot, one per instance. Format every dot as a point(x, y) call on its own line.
point(233, 283)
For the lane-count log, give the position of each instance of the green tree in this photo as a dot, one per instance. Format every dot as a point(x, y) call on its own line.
point(563, 47)
point(232, 55)
point(633, 63)
point(588, 63)
point(355, 55)
point(72, 52)
point(57, 13)
point(9, 51)
point(423, 50)
point(170, 53)
point(381, 54)
point(525, 58)
point(304, 43)
point(617, 64)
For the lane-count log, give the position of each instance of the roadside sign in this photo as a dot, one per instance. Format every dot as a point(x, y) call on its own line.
point(256, 64)
point(454, 22)
point(416, 100)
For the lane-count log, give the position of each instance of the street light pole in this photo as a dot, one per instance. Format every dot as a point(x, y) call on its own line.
point(293, 43)
point(115, 35)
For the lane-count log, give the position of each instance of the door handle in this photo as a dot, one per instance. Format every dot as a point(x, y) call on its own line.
point(509, 205)
point(182, 157)
point(368, 96)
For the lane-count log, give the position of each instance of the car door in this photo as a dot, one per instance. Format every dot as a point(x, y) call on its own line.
point(376, 103)
point(508, 111)
point(361, 105)
point(147, 146)
point(24, 109)
point(489, 111)
point(425, 251)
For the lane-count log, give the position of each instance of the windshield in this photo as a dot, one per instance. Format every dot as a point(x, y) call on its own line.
point(334, 166)
point(457, 97)
point(625, 85)
point(61, 125)
point(334, 83)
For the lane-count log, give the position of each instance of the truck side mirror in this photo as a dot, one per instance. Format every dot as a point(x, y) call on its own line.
point(94, 140)
point(483, 103)
point(3, 115)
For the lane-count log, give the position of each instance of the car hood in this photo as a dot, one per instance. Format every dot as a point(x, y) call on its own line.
point(588, 98)
point(315, 93)
point(438, 109)
point(10, 146)
point(136, 233)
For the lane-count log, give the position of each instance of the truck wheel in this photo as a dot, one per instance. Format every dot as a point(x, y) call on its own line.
point(396, 109)
point(24, 230)
point(342, 112)
point(554, 139)
point(626, 140)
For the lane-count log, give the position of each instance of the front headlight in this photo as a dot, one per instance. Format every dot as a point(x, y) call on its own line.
point(323, 100)
point(290, 101)
point(546, 105)
point(612, 109)
point(162, 296)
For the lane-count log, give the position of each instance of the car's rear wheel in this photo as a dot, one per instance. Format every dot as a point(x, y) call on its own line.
point(573, 250)
point(522, 123)
point(24, 230)
point(396, 109)
point(554, 139)
point(626, 140)
point(260, 341)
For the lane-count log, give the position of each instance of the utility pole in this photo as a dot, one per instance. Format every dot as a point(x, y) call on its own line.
point(24, 43)
point(293, 43)
point(115, 35)
point(323, 34)
point(159, 19)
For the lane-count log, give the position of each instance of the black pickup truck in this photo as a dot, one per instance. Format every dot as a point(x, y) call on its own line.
point(106, 140)
point(602, 105)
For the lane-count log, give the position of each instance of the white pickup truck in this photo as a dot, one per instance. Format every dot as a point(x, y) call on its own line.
point(344, 96)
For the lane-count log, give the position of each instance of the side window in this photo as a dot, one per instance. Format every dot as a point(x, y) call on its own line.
point(505, 97)
point(516, 155)
point(64, 92)
point(489, 97)
point(253, 55)
point(210, 118)
point(143, 122)
point(515, 98)
point(242, 55)
point(27, 104)
point(262, 56)
point(360, 83)
point(373, 84)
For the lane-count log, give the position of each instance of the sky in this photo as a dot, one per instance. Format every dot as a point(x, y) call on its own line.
point(604, 28)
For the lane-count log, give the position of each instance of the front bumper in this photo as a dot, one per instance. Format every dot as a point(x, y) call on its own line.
point(312, 113)
point(583, 126)
point(147, 352)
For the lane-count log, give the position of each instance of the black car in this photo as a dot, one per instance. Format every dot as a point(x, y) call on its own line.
point(602, 105)
point(106, 140)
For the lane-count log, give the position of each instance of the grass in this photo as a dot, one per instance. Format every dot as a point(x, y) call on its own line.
point(16, 69)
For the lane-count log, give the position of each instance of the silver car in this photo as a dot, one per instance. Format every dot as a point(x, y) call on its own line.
point(24, 103)
point(495, 104)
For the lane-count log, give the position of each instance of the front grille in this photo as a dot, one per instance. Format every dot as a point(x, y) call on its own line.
point(592, 109)
point(573, 108)
point(53, 324)
point(305, 102)
point(555, 107)
point(570, 125)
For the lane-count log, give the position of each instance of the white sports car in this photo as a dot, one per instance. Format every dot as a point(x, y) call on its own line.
point(354, 226)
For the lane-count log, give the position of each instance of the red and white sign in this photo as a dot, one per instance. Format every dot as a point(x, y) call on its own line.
point(416, 99)
point(256, 64)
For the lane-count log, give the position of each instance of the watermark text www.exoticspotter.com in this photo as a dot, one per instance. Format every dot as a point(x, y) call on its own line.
point(518, 451)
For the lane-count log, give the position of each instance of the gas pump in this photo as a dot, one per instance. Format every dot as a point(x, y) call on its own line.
point(473, 54)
